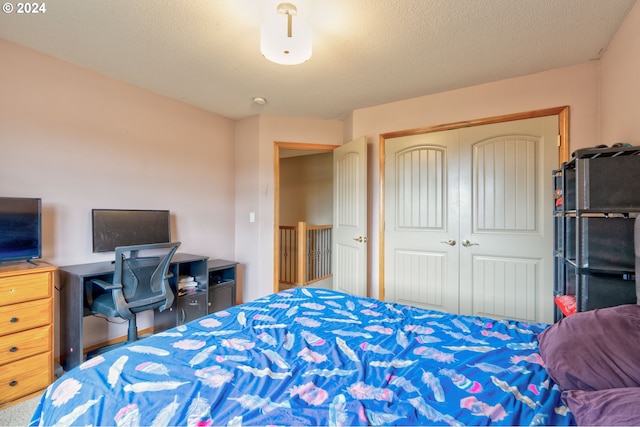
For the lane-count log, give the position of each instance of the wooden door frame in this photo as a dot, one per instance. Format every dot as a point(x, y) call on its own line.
point(277, 146)
point(563, 155)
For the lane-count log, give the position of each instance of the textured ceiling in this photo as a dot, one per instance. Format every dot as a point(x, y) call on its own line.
point(365, 52)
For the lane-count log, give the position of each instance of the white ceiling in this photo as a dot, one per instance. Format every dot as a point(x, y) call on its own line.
point(365, 52)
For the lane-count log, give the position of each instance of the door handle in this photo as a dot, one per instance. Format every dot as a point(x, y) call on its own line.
point(467, 243)
point(449, 242)
point(360, 239)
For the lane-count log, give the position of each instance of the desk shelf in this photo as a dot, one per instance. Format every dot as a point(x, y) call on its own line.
point(189, 306)
point(222, 284)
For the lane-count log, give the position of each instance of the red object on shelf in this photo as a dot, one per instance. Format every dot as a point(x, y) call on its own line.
point(566, 304)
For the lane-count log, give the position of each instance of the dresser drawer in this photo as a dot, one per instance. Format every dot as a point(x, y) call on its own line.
point(24, 287)
point(23, 316)
point(24, 344)
point(24, 377)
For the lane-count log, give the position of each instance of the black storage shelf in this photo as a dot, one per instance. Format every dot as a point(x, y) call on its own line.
point(222, 284)
point(594, 153)
point(598, 198)
point(606, 243)
point(569, 188)
point(605, 290)
point(570, 238)
point(609, 184)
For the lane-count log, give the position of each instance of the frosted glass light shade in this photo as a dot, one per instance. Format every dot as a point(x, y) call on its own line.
point(277, 46)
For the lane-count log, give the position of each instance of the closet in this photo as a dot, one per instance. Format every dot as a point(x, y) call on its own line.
point(467, 226)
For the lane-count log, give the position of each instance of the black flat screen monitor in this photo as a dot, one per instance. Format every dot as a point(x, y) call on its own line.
point(126, 227)
point(20, 228)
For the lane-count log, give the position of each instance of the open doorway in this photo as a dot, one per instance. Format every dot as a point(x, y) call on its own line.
point(303, 193)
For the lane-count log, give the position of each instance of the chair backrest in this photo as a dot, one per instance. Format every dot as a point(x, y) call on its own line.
point(143, 272)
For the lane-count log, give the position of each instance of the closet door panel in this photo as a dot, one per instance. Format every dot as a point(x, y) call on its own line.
point(421, 226)
point(506, 222)
point(422, 275)
point(505, 191)
point(505, 287)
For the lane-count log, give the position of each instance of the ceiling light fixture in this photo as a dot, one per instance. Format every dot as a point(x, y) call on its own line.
point(285, 38)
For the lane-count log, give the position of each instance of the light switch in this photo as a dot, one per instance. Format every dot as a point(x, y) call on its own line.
point(252, 217)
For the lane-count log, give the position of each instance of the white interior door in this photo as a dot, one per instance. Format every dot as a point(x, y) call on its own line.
point(350, 217)
point(488, 188)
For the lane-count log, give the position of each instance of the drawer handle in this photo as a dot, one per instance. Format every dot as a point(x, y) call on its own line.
point(13, 383)
point(13, 320)
point(13, 349)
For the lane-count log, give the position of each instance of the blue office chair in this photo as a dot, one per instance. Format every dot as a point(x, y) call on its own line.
point(140, 282)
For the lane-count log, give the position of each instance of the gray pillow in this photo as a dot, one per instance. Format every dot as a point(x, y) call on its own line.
point(594, 350)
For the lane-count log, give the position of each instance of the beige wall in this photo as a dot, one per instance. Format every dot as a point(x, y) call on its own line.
point(80, 140)
point(620, 84)
point(306, 189)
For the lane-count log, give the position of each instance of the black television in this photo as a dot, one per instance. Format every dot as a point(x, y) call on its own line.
point(125, 227)
point(20, 228)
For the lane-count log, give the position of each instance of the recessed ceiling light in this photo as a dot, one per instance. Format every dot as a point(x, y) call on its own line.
point(259, 100)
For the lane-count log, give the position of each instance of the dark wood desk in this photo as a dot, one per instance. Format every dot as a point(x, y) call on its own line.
point(74, 302)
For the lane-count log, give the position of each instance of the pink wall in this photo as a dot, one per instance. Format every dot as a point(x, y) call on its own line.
point(620, 84)
point(255, 189)
point(80, 140)
point(575, 86)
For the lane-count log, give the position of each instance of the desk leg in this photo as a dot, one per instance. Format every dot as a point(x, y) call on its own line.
point(71, 315)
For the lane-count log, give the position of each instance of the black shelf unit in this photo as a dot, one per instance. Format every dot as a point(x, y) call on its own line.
point(222, 284)
point(598, 196)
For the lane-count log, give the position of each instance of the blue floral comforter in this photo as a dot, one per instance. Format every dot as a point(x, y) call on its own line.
point(316, 357)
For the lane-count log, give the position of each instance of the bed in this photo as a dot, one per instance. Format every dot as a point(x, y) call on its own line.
point(311, 356)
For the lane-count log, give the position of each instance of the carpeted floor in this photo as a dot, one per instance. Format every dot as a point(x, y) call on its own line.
point(19, 414)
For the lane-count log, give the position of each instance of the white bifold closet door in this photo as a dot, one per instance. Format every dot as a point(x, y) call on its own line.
point(468, 219)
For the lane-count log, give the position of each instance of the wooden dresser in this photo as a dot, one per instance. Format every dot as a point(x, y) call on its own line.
point(26, 329)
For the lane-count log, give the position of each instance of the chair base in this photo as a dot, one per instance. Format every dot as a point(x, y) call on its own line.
point(132, 336)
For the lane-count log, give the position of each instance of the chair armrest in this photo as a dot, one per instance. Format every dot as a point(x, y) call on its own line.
point(105, 285)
